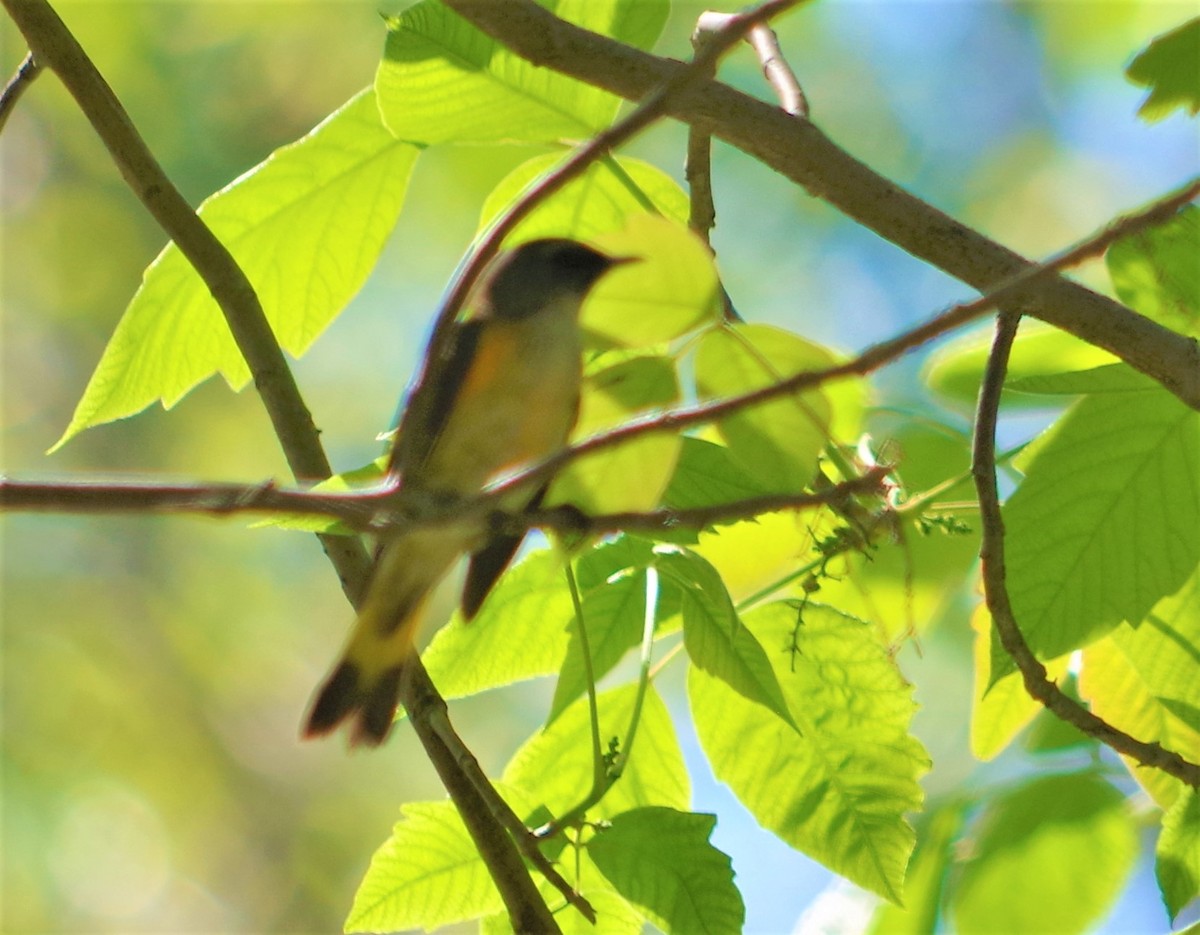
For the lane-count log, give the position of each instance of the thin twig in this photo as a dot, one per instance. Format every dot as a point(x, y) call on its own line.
point(779, 75)
point(18, 84)
point(983, 467)
point(798, 150)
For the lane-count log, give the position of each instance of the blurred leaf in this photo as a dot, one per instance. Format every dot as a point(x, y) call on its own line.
point(555, 765)
point(955, 369)
point(441, 80)
point(672, 290)
point(1155, 271)
point(661, 860)
point(776, 443)
point(839, 789)
point(756, 554)
point(1107, 519)
point(1050, 856)
point(1111, 378)
point(630, 476)
point(1168, 67)
point(306, 226)
point(602, 199)
point(520, 633)
point(715, 638)
point(925, 884)
point(1177, 856)
point(1142, 681)
point(1002, 707)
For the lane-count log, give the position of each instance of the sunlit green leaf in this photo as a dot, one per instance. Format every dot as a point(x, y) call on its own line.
point(602, 199)
point(520, 633)
point(1107, 519)
point(715, 638)
point(1155, 271)
point(555, 765)
point(1001, 708)
point(705, 475)
point(924, 888)
point(1168, 68)
point(614, 615)
point(633, 475)
point(306, 226)
point(1050, 856)
point(1177, 857)
point(614, 915)
point(778, 442)
point(956, 368)
point(661, 860)
point(838, 789)
point(441, 80)
point(427, 874)
point(346, 482)
point(1143, 681)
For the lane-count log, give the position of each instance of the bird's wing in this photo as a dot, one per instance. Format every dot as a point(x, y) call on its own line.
point(432, 400)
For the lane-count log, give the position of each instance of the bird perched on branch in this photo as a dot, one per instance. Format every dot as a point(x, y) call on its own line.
point(504, 394)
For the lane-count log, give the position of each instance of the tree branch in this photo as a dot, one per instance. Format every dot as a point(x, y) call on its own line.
point(18, 84)
point(53, 45)
point(983, 467)
point(798, 150)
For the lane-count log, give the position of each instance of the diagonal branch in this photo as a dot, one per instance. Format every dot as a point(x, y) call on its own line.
point(797, 149)
point(983, 467)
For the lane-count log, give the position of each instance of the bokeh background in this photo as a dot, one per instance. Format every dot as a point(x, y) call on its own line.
point(155, 669)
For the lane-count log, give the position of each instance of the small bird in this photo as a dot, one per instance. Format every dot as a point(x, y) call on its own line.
point(505, 394)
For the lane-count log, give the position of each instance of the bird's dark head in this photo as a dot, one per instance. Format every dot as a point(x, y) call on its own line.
point(543, 272)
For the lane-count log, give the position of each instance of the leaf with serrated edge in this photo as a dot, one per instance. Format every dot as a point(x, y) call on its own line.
point(715, 638)
point(839, 789)
point(661, 860)
point(306, 227)
point(1107, 519)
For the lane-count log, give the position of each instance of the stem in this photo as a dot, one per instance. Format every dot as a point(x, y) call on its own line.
point(599, 777)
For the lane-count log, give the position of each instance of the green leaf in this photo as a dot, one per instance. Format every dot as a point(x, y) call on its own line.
point(602, 199)
point(1110, 378)
point(614, 916)
point(1168, 67)
point(520, 633)
point(776, 443)
point(1051, 856)
point(633, 475)
point(715, 638)
point(671, 292)
point(441, 80)
point(955, 369)
point(554, 766)
point(1155, 271)
point(705, 475)
point(1143, 681)
point(615, 617)
point(925, 887)
point(1001, 707)
point(306, 226)
point(839, 789)
point(1107, 519)
point(660, 859)
point(1177, 856)
point(427, 874)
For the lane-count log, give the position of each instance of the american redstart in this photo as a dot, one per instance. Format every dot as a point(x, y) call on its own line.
point(505, 394)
